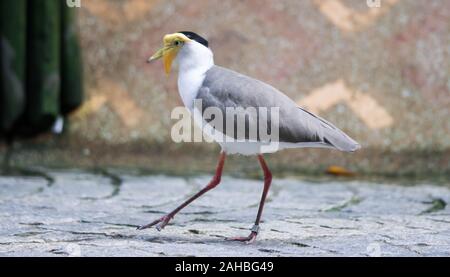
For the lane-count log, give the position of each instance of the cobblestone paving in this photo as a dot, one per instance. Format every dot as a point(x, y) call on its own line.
point(74, 213)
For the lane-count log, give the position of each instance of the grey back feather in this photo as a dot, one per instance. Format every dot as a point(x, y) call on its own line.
point(225, 88)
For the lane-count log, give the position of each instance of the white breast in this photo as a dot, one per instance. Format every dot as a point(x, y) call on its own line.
point(188, 85)
point(194, 61)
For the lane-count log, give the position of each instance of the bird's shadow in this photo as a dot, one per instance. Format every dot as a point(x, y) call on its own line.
point(200, 239)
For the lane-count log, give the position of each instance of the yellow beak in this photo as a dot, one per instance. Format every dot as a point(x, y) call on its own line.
point(168, 54)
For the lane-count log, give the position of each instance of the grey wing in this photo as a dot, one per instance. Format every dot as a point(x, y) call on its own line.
point(224, 88)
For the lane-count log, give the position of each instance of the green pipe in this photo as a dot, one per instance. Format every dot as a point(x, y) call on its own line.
point(12, 62)
point(43, 64)
point(71, 67)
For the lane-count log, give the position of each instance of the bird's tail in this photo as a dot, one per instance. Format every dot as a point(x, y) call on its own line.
point(340, 140)
point(333, 136)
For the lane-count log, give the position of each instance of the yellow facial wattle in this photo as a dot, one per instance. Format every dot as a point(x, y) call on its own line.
point(172, 45)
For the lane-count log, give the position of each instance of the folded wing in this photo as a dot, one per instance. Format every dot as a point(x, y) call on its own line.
point(224, 88)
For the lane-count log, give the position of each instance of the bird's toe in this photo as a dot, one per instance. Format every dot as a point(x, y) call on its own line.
point(247, 240)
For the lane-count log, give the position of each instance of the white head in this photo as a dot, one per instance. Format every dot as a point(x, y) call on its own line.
point(189, 49)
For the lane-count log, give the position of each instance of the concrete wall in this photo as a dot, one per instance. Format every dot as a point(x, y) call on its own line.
point(380, 74)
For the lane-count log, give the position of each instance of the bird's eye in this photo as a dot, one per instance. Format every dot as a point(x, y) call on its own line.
point(178, 43)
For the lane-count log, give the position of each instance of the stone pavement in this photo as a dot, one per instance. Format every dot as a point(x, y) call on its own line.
point(76, 213)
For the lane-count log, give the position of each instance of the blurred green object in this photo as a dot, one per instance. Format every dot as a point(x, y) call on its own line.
point(71, 68)
point(12, 62)
point(43, 64)
point(41, 70)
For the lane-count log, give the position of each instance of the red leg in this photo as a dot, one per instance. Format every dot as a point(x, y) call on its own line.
point(163, 221)
point(267, 181)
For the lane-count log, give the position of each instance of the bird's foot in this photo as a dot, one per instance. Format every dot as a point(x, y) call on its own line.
point(248, 240)
point(159, 223)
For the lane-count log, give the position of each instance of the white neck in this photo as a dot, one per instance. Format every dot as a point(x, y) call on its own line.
point(194, 61)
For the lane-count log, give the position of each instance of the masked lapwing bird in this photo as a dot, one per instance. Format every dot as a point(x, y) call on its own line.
point(270, 120)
